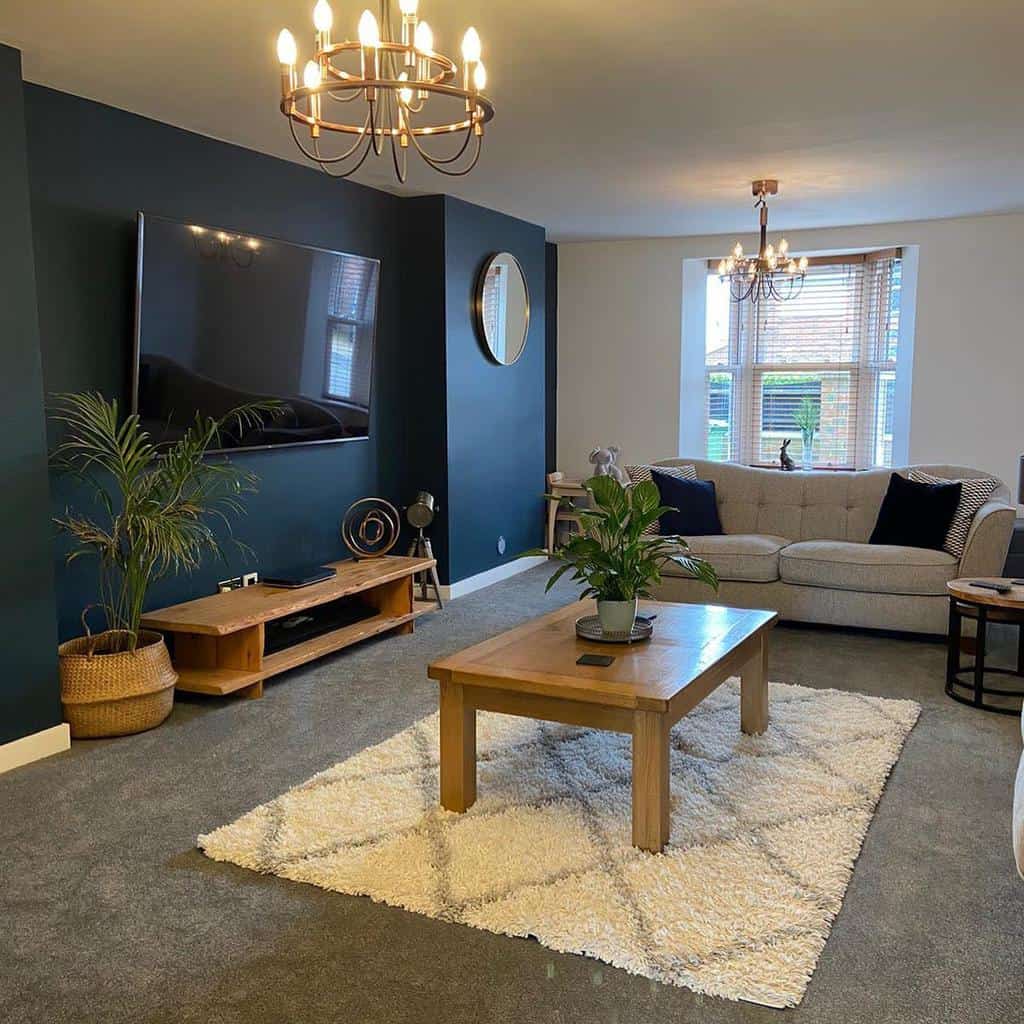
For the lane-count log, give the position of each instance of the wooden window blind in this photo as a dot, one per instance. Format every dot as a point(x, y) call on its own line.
point(834, 345)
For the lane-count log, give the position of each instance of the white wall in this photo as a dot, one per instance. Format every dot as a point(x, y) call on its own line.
point(620, 316)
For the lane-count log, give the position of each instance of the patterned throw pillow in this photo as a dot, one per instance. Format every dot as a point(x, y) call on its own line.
point(639, 474)
point(973, 494)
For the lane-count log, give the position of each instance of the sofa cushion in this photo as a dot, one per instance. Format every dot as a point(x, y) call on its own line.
point(642, 474)
point(973, 494)
point(694, 510)
point(872, 568)
point(747, 557)
point(916, 514)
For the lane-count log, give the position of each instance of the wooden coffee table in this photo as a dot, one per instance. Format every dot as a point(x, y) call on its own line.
point(532, 671)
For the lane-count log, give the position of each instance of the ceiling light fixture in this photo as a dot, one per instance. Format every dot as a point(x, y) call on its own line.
point(403, 90)
point(773, 273)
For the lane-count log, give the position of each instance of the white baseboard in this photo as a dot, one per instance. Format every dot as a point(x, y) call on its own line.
point(35, 746)
point(484, 579)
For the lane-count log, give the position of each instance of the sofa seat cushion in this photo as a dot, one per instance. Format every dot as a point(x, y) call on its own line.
point(872, 568)
point(747, 557)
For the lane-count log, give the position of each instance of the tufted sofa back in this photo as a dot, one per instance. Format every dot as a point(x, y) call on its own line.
point(820, 505)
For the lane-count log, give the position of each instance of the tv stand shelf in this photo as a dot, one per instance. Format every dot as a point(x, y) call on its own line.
point(218, 641)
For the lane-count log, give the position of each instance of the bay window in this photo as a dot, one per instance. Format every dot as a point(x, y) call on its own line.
point(834, 347)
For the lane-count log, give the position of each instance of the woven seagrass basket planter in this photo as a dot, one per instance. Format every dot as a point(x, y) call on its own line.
point(106, 692)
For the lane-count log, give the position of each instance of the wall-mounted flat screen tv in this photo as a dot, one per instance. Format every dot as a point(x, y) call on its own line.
point(224, 319)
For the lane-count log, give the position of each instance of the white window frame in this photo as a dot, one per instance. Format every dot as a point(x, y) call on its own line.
point(865, 373)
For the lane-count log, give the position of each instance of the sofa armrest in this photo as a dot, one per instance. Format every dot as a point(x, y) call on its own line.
point(1018, 818)
point(988, 540)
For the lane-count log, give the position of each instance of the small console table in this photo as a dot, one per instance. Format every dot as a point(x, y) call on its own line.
point(218, 643)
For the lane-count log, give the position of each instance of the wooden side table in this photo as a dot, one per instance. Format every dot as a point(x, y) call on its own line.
point(984, 606)
point(559, 487)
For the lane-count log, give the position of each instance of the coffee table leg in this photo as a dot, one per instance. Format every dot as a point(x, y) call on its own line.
point(754, 692)
point(458, 749)
point(650, 781)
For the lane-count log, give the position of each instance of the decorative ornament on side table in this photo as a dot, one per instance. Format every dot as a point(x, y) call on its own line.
point(605, 463)
point(613, 559)
point(370, 527)
point(807, 419)
point(400, 89)
point(152, 516)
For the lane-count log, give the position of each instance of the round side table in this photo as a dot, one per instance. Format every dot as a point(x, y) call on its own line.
point(983, 606)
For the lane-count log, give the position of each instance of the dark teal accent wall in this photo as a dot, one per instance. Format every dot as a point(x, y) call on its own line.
point(445, 419)
point(29, 690)
point(495, 414)
point(88, 181)
point(551, 357)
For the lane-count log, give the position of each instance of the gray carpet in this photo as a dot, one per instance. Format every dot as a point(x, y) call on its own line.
point(108, 913)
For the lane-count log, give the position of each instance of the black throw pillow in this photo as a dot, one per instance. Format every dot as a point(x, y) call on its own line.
point(916, 515)
point(696, 502)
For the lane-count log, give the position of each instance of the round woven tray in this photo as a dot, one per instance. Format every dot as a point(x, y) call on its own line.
point(589, 628)
point(115, 693)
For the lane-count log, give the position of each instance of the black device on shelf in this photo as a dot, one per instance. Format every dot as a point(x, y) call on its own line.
point(310, 623)
point(299, 576)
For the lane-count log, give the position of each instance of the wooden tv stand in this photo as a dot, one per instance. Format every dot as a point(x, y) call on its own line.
point(218, 641)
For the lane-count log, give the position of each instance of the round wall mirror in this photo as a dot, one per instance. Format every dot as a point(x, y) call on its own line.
point(503, 308)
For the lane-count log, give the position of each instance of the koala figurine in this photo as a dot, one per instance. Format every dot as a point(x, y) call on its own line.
point(603, 461)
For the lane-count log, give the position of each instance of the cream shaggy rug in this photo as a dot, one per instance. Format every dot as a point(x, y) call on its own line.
point(765, 832)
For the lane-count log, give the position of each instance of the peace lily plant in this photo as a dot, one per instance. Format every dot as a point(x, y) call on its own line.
point(613, 558)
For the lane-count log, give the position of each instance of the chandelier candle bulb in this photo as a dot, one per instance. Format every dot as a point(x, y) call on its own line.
point(286, 54)
point(311, 79)
point(423, 40)
point(323, 19)
point(408, 9)
point(369, 41)
point(471, 57)
point(471, 46)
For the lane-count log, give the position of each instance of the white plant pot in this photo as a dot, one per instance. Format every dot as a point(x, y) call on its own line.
point(616, 616)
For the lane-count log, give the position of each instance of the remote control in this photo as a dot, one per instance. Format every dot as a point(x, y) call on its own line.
point(999, 588)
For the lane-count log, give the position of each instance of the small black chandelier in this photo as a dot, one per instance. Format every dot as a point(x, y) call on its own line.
point(772, 273)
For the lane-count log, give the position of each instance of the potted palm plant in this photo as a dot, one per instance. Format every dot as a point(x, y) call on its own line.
point(153, 514)
point(807, 418)
point(614, 559)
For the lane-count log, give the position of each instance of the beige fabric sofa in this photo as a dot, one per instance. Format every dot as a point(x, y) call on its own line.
point(797, 543)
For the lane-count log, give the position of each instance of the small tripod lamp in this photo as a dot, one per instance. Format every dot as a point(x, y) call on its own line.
point(420, 514)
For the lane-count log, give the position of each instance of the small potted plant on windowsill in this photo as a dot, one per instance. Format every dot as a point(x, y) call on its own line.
point(154, 514)
point(613, 558)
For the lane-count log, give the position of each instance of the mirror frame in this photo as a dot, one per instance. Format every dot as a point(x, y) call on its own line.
point(478, 308)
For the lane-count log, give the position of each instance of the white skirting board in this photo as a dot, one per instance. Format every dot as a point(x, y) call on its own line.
point(35, 746)
point(484, 579)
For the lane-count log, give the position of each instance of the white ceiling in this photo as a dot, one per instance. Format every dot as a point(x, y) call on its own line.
point(620, 120)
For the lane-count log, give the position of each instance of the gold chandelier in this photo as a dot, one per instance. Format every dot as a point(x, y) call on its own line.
point(772, 273)
point(403, 90)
